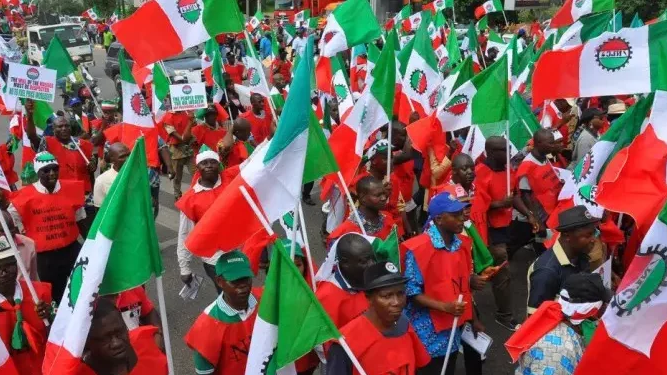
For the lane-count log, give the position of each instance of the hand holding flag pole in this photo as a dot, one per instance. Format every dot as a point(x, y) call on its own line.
point(19, 261)
point(451, 339)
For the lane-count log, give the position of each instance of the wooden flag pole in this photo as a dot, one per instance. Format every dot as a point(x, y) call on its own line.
point(304, 235)
point(353, 208)
point(19, 262)
point(165, 324)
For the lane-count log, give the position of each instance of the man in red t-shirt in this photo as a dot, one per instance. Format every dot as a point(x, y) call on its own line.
point(235, 70)
point(177, 124)
point(282, 66)
point(260, 120)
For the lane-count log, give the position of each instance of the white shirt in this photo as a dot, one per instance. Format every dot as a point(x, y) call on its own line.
point(299, 45)
point(102, 185)
point(79, 215)
point(185, 226)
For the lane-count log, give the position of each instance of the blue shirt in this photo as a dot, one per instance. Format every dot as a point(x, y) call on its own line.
point(264, 47)
point(435, 342)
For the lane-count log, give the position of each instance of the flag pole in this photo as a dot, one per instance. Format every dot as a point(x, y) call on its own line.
point(505, 17)
point(165, 324)
point(353, 208)
point(507, 155)
point(273, 110)
point(482, 52)
point(451, 339)
point(453, 15)
point(256, 210)
point(304, 235)
point(389, 126)
point(78, 148)
point(92, 94)
point(19, 262)
point(295, 230)
point(351, 355)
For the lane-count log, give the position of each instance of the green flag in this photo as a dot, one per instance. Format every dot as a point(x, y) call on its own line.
point(290, 321)
point(57, 58)
point(523, 123)
point(453, 50)
point(636, 21)
point(481, 256)
point(387, 250)
point(124, 228)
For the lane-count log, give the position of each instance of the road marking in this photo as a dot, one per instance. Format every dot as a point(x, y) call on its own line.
point(168, 243)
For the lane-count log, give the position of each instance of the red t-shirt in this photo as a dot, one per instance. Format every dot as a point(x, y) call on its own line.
point(178, 121)
point(259, 127)
point(235, 72)
point(208, 136)
point(284, 68)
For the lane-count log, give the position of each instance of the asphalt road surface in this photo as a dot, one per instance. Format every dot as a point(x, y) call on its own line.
point(181, 314)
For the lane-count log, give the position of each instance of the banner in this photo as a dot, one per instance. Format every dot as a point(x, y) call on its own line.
point(188, 96)
point(31, 82)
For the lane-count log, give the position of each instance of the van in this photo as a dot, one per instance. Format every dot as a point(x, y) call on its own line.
point(72, 36)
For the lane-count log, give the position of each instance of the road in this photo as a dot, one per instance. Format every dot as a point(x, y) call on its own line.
point(182, 314)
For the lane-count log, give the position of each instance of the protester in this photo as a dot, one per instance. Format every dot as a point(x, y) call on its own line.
point(547, 275)
point(340, 292)
point(193, 205)
point(538, 184)
point(282, 66)
point(265, 46)
point(178, 125)
point(260, 120)
point(235, 70)
point(591, 123)
point(438, 266)
point(58, 202)
point(208, 133)
point(373, 197)
point(118, 153)
point(381, 338)
point(494, 202)
point(22, 327)
point(113, 349)
point(552, 338)
point(299, 43)
point(235, 147)
point(228, 322)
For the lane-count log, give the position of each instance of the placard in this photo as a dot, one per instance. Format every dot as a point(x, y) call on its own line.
point(188, 96)
point(31, 82)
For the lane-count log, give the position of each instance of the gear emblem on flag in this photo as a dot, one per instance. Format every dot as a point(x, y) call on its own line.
point(439, 4)
point(418, 81)
point(442, 62)
point(584, 168)
point(253, 77)
point(613, 54)
point(579, 3)
point(434, 99)
point(458, 105)
point(341, 93)
point(647, 284)
point(75, 281)
point(190, 10)
point(488, 7)
point(138, 104)
point(328, 36)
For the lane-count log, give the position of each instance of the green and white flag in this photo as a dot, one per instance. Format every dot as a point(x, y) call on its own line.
point(422, 79)
point(482, 24)
point(488, 7)
point(57, 58)
point(256, 77)
point(121, 252)
point(115, 16)
point(135, 109)
point(374, 108)
point(387, 250)
point(341, 86)
point(351, 23)
point(254, 21)
point(302, 15)
point(496, 41)
point(636, 21)
point(621, 133)
point(522, 126)
point(585, 29)
point(458, 76)
point(290, 320)
point(481, 101)
point(616, 23)
point(217, 70)
point(160, 92)
point(453, 49)
point(287, 223)
point(289, 32)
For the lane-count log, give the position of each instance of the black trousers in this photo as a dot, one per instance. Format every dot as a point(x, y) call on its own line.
point(471, 359)
point(55, 266)
point(307, 188)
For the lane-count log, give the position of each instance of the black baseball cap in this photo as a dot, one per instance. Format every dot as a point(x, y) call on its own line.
point(381, 275)
point(574, 218)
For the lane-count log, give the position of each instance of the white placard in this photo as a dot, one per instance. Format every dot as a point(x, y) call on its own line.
point(31, 82)
point(605, 272)
point(188, 96)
